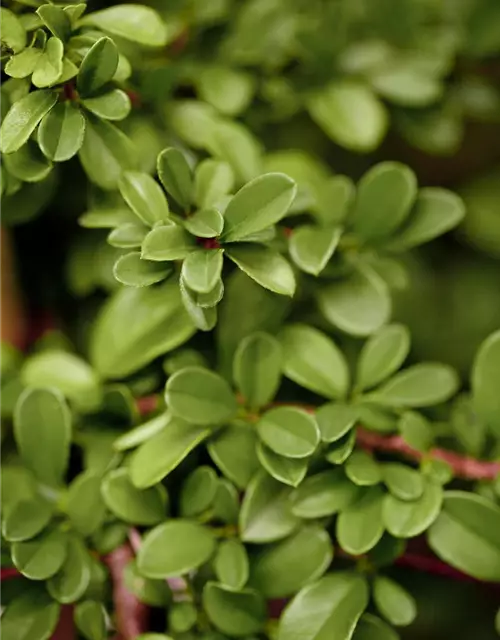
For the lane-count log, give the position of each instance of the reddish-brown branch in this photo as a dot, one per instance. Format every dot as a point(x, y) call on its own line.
point(131, 615)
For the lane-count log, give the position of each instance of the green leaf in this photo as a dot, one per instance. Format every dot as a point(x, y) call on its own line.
point(484, 382)
point(85, 506)
point(226, 502)
point(324, 494)
point(265, 514)
point(41, 557)
point(335, 420)
point(90, 620)
point(313, 360)
point(133, 271)
point(201, 270)
point(359, 527)
point(28, 164)
point(359, 304)
point(141, 433)
point(329, 608)
point(240, 613)
point(130, 504)
point(162, 453)
point(42, 415)
point(312, 247)
point(370, 627)
point(33, 615)
point(145, 197)
point(386, 551)
point(258, 205)
point(132, 22)
point(198, 492)
point(234, 452)
point(270, 269)
point(174, 548)
point(68, 373)
point(231, 564)
point(363, 469)
point(13, 32)
point(182, 616)
point(282, 569)
point(384, 199)
point(25, 519)
point(200, 396)
point(106, 153)
point(203, 316)
point(212, 181)
point(71, 582)
point(98, 67)
point(382, 355)
point(56, 19)
point(436, 211)
point(175, 175)
point(416, 431)
point(112, 105)
point(405, 519)
point(334, 200)
point(229, 91)
point(23, 117)
point(61, 131)
point(49, 67)
point(289, 432)
point(290, 471)
point(402, 481)
point(234, 144)
point(257, 368)
point(23, 64)
point(128, 236)
point(394, 602)
point(168, 242)
point(153, 592)
point(421, 385)
point(466, 535)
point(135, 326)
point(350, 114)
point(206, 223)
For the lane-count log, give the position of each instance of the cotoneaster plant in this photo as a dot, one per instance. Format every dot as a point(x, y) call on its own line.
point(230, 433)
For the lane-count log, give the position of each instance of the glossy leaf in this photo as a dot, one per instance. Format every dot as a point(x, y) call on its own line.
point(49, 67)
point(205, 223)
point(201, 270)
point(174, 548)
point(403, 481)
point(370, 627)
point(90, 619)
point(329, 608)
point(56, 19)
point(259, 204)
point(61, 131)
point(405, 519)
point(360, 526)
point(265, 514)
point(32, 609)
point(394, 602)
point(23, 117)
point(42, 415)
point(234, 452)
point(25, 519)
point(133, 22)
point(131, 270)
point(270, 269)
point(312, 247)
point(153, 592)
point(198, 491)
point(128, 236)
point(28, 164)
point(239, 613)
point(86, 509)
point(290, 471)
point(257, 368)
point(335, 420)
point(175, 175)
point(484, 382)
point(145, 197)
point(213, 180)
point(231, 564)
point(363, 469)
point(324, 494)
point(13, 32)
point(98, 67)
point(314, 361)
point(112, 105)
point(168, 242)
point(382, 355)
point(289, 432)
point(70, 583)
point(125, 501)
point(416, 431)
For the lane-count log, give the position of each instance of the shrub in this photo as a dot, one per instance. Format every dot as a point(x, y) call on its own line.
point(263, 391)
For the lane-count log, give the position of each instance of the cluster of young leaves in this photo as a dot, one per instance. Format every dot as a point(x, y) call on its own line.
point(242, 499)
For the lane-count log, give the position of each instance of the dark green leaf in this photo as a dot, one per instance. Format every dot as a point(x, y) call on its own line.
point(61, 131)
point(174, 548)
point(270, 269)
point(42, 415)
point(86, 509)
point(213, 180)
point(384, 199)
point(98, 67)
point(33, 615)
point(289, 432)
point(360, 526)
point(335, 420)
point(290, 471)
point(28, 164)
point(466, 535)
point(23, 117)
point(231, 564)
point(133, 271)
point(226, 502)
point(25, 519)
point(133, 22)
point(370, 627)
point(90, 619)
point(484, 382)
point(125, 501)
point(394, 603)
point(382, 355)
point(240, 613)
point(198, 492)
point(403, 481)
point(175, 175)
point(363, 469)
point(324, 494)
point(71, 582)
point(329, 608)
point(259, 204)
point(201, 270)
point(405, 519)
point(257, 368)
point(200, 396)
point(169, 242)
point(234, 452)
point(137, 325)
point(153, 592)
point(265, 514)
point(284, 568)
point(312, 247)
point(162, 453)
